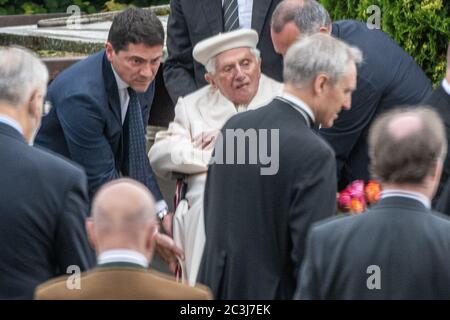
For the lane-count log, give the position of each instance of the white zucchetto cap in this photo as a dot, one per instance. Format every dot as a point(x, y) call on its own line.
point(211, 47)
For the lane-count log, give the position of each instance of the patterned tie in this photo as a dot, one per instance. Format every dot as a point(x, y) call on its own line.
point(137, 158)
point(230, 15)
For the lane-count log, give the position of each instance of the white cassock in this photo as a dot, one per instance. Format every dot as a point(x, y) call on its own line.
point(201, 111)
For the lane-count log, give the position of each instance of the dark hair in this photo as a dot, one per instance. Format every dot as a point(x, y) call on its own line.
point(411, 157)
point(135, 25)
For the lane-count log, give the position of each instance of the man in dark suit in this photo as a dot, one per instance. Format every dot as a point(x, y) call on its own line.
point(191, 21)
point(388, 77)
point(399, 248)
point(440, 101)
point(92, 121)
point(122, 229)
point(257, 213)
point(43, 198)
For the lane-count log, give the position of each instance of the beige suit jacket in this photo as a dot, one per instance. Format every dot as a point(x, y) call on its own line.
point(121, 283)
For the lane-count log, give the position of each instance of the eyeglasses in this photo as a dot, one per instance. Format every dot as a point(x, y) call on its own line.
point(46, 108)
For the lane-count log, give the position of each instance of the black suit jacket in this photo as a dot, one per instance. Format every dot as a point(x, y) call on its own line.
point(409, 243)
point(43, 206)
point(440, 101)
point(388, 77)
point(191, 21)
point(256, 225)
point(85, 124)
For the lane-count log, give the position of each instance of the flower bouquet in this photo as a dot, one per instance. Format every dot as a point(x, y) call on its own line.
point(356, 196)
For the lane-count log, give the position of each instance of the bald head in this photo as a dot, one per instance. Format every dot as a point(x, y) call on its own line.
point(404, 126)
point(406, 144)
point(122, 212)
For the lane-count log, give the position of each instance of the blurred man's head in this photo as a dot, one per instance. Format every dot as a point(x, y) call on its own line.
point(123, 217)
point(292, 19)
point(407, 148)
point(135, 47)
point(23, 85)
point(232, 63)
point(321, 71)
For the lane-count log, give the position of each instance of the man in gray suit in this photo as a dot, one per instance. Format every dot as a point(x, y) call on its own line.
point(398, 249)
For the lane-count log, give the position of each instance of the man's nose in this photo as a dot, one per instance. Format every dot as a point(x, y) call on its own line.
point(149, 70)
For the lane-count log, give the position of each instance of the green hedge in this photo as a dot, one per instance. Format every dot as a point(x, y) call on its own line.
point(421, 27)
point(88, 6)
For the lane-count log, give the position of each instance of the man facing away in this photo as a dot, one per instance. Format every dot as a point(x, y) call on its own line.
point(398, 249)
point(43, 198)
point(257, 212)
point(122, 229)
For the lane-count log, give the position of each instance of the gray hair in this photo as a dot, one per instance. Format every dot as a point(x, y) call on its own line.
point(409, 157)
point(21, 72)
point(319, 53)
point(211, 64)
point(309, 16)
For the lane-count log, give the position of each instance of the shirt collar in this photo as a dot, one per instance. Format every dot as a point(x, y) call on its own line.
point(12, 123)
point(446, 86)
point(406, 194)
point(298, 102)
point(123, 255)
point(121, 85)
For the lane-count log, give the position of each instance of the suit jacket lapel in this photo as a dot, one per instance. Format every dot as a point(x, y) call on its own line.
point(259, 13)
point(111, 90)
point(213, 14)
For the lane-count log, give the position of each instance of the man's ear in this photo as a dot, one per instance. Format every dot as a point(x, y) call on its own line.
point(320, 82)
point(109, 51)
point(91, 232)
point(34, 104)
point(151, 241)
point(210, 80)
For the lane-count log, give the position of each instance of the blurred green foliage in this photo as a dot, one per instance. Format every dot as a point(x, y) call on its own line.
point(88, 6)
point(421, 27)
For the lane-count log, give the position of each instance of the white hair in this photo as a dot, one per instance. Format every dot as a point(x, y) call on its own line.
point(21, 73)
point(211, 64)
point(319, 53)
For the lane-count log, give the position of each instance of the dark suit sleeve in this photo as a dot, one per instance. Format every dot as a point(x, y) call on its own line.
point(313, 199)
point(350, 125)
point(72, 246)
point(179, 66)
point(307, 286)
point(83, 126)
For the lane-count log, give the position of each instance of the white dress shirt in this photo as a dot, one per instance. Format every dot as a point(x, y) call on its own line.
point(122, 255)
point(406, 194)
point(11, 122)
point(245, 8)
point(124, 98)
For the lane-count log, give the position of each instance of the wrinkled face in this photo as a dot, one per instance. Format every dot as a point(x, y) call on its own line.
point(284, 39)
point(336, 97)
point(136, 65)
point(237, 75)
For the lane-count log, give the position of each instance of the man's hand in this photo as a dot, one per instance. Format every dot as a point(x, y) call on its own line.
point(167, 224)
point(206, 139)
point(168, 250)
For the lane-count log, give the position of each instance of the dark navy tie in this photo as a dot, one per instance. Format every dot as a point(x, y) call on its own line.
point(137, 158)
point(230, 15)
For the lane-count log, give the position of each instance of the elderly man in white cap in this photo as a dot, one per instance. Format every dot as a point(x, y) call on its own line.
point(235, 85)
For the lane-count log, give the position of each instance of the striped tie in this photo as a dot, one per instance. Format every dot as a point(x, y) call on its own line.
point(230, 15)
